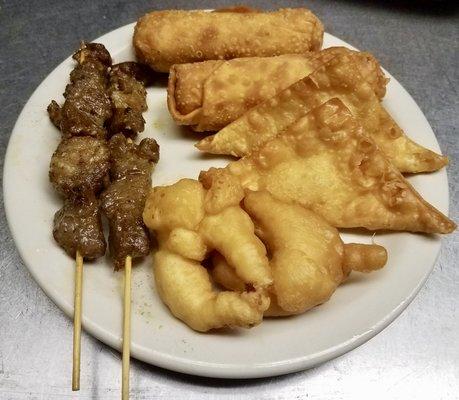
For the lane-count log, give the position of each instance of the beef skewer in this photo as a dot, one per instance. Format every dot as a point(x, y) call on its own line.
point(100, 101)
point(131, 166)
point(79, 169)
point(130, 172)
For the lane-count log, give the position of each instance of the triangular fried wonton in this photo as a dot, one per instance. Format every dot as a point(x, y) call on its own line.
point(327, 163)
point(211, 94)
point(340, 78)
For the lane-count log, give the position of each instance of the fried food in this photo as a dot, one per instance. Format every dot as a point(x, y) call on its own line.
point(184, 286)
point(230, 232)
point(339, 78)
point(327, 163)
point(308, 257)
point(190, 222)
point(307, 254)
point(165, 38)
point(211, 94)
point(226, 277)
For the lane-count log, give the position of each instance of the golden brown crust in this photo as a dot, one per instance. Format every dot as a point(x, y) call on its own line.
point(368, 67)
point(337, 78)
point(184, 286)
point(308, 258)
point(371, 71)
point(184, 91)
point(164, 38)
point(189, 82)
point(363, 258)
point(238, 9)
point(327, 162)
point(190, 221)
point(211, 94)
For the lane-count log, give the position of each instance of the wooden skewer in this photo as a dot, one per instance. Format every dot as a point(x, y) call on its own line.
point(77, 322)
point(126, 329)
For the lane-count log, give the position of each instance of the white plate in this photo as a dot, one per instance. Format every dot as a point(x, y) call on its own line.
point(359, 309)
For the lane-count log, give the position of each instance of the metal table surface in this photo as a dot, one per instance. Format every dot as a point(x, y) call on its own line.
point(416, 357)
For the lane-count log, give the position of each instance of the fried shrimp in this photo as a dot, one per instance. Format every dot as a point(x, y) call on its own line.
point(187, 232)
point(309, 259)
point(185, 287)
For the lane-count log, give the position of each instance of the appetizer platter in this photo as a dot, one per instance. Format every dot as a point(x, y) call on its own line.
point(255, 186)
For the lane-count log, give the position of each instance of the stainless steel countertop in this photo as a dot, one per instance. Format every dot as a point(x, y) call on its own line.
point(416, 357)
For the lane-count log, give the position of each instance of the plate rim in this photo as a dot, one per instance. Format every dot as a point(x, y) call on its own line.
point(203, 368)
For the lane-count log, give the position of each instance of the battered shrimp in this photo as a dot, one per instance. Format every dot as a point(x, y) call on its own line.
point(309, 259)
point(190, 222)
point(185, 287)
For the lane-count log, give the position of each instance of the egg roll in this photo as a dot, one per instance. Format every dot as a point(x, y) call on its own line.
point(165, 38)
point(209, 95)
point(338, 78)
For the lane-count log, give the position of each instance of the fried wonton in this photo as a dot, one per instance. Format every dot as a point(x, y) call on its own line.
point(326, 162)
point(209, 95)
point(339, 78)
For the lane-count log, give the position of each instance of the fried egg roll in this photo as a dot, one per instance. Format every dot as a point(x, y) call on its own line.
point(211, 94)
point(165, 38)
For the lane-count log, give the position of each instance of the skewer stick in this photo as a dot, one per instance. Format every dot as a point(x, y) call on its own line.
point(77, 322)
point(126, 329)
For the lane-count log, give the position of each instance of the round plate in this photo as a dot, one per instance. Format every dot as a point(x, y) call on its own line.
point(359, 309)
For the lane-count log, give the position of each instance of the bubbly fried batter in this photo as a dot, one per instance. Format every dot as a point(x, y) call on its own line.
point(327, 163)
point(308, 258)
point(338, 78)
point(189, 222)
point(230, 232)
point(164, 38)
point(209, 95)
point(185, 287)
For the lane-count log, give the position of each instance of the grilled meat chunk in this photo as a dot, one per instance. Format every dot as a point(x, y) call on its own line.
point(93, 52)
point(85, 110)
point(102, 100)
point(128, 96)
point(127, 158)
point(79, 165)
point(87, 105)
point(140, 72)
point(78, 226)
point(123, 204)
point(128, 121)
point(55, 114)
point(124, 200)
